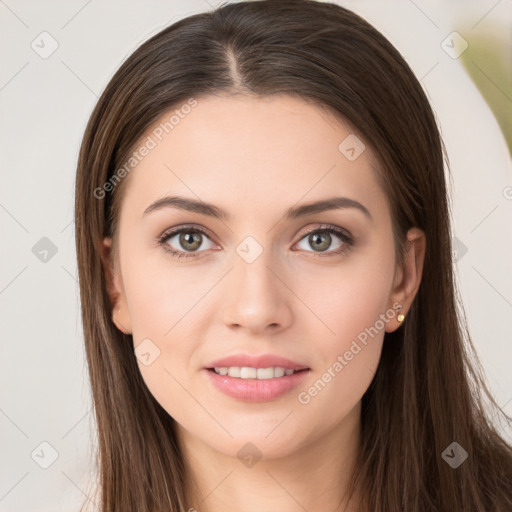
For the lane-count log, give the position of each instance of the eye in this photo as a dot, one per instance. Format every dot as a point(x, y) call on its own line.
point(189, 239)
point(321, 240)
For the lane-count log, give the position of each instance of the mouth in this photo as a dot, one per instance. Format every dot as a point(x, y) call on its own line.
point(252, 366)
point(246, 372)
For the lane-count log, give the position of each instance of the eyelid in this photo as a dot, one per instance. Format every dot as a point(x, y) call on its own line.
point(177, 229)
point(323, 227)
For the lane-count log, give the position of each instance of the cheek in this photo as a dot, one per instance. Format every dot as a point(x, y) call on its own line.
point(347, 329)
point(163, 303)
point(346, 300)
point(164, 309)
point(160, 294)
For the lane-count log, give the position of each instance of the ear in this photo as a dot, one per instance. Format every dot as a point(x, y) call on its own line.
point(407, 279)
point(115, 289)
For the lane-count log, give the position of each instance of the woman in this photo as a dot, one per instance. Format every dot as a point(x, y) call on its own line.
point(269, 311)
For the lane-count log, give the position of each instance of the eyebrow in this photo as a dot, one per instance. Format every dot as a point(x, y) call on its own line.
point(193, 205)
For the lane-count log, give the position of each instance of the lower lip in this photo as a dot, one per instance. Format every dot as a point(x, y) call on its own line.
point(256, 390)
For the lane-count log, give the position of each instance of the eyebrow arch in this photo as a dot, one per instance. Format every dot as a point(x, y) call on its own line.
point(193, 205)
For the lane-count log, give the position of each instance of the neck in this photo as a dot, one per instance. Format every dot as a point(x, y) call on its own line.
point(314, 476)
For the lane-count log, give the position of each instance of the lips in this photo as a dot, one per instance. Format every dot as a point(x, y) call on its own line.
point(255, 390)
point(256, 361)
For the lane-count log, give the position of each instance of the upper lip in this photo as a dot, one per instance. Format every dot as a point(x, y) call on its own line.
point(256, 361)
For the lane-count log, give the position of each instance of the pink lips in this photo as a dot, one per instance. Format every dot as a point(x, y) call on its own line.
point(253, 361)
point(256, 390)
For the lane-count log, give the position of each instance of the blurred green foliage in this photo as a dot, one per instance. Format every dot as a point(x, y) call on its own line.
point(488, 62)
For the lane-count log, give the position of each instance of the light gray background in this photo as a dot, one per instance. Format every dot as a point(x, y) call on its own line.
point(45, 104)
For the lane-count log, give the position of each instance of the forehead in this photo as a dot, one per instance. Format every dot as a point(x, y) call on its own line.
point(251, 153)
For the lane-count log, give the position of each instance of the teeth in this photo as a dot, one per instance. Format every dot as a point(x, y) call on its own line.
point(246, 372)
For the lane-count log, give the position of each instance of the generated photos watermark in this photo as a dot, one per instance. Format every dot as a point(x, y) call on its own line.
point(151, 142)
point(361, 341)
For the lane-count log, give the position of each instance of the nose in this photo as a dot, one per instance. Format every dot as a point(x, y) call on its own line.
point(258, 296)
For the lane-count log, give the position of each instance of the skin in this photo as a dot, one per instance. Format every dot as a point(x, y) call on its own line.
point(256, 158)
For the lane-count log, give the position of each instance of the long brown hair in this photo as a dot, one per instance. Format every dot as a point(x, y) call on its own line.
point(428, 391)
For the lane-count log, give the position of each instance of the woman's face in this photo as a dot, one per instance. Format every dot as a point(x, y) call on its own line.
point(256, 283)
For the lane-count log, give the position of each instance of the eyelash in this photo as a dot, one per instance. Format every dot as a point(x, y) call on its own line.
point(347, 240)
